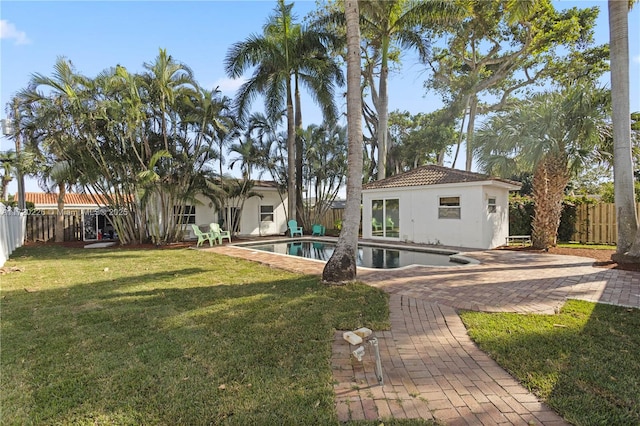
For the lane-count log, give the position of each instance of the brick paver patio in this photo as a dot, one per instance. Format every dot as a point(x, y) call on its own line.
point(431, 367)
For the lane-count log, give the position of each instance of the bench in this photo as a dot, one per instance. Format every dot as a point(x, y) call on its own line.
point(523, 239)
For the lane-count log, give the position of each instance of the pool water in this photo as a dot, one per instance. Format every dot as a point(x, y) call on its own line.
point(368, 256)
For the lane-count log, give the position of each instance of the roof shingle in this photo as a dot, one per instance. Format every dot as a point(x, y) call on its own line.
point(43, 198)
point(433, 175)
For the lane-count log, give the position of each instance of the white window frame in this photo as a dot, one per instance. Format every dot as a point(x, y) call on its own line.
point(448, 210)
point(492, 205)
point(188, 215)
point(270, 214)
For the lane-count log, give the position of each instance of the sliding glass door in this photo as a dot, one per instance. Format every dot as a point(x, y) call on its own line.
point(385, 218)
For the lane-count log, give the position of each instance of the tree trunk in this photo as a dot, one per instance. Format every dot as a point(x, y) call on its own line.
point(473, 108)
point(549, 181)
point(383, 112)
point(622, 160)
point(59, 228)
point(291, 154)
point(300, 217)
point(341, 267)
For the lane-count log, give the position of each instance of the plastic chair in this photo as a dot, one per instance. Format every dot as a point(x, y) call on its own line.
point(219, 233)
point(317, 230)
point(202, 236)
point(294, 228)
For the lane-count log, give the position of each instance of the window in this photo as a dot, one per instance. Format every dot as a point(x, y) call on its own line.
point(449, 208)
point(385, 218)
point(491, 205)
point(266, 213)
point(184, 214)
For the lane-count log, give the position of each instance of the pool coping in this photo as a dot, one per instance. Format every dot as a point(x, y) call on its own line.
point(454, 255)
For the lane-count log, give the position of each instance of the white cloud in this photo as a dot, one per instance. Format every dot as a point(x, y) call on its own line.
point(228, 86)
point(9, 31)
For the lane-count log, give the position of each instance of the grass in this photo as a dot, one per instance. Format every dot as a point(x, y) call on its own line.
point(583, 362)
point(170, 337)
point(587, 246)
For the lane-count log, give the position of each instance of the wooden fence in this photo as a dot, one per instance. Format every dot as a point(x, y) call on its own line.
point(43, 227)
point(331, 218)
point(596, 223)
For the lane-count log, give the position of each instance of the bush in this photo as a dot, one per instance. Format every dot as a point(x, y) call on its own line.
point(567, 221)
point(521, 214)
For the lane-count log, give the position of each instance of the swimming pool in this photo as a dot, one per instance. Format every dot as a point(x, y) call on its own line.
point(369, 256)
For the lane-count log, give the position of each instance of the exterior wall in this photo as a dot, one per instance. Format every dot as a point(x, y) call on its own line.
point(419, 221)
point(250, 223)
point(496, 225)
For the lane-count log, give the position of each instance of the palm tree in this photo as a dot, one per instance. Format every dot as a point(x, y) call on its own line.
point(341, 267)
point(325, 160)
point(167, 80)
point(54, 124)
point(315, 69)
point(402, 22)
point(272, 146)
point(553, 135)
point(285, 57)
point(8, 161)
point(622, 159)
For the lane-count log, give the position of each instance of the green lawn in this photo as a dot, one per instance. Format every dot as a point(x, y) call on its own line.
point(587, 246)
point(170, 337)
point(584, 362)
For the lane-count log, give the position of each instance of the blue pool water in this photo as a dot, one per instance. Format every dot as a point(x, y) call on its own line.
point(368, 256)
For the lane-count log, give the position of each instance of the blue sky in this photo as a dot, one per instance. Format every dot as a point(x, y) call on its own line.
point(96, 35)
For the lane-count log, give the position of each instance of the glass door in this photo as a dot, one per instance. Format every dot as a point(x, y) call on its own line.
point(385, 218)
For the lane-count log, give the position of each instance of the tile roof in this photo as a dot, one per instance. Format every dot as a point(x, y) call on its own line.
point(43, 198)
point(433, 175)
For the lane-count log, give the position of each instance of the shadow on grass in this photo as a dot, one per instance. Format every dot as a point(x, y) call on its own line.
point(583, 362)
point(195, 339)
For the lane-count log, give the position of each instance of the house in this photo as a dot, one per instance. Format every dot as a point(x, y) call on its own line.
point(87, 209)
point(257, 216)
point(438, 205)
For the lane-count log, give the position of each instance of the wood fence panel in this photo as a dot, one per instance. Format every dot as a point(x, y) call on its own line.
point(43, 227)
point(597, 223)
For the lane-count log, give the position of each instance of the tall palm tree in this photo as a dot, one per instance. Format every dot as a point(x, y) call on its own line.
point(399, 22)
point(341, 267)
point(553, 135)
point(622, 159)
point(316, 70)
point(56, 104)
point(285, 57)
point(166, 80)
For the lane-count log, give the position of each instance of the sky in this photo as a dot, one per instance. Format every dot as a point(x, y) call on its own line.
point(96, 35)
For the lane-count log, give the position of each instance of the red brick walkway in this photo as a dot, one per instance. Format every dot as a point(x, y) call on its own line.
point(431, 367)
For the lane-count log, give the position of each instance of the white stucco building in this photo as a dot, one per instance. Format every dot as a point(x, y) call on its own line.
point(438, 205)
point(257, 216)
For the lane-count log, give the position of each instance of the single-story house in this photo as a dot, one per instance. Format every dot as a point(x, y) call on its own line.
point(438, 205)
point(264, 215)
point(83, 206)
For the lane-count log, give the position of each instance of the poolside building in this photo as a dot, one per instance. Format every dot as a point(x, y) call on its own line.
point(438, 205)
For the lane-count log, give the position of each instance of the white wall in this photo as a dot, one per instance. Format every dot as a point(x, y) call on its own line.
point(250, 223)
point(496, 225)
point(419, 220)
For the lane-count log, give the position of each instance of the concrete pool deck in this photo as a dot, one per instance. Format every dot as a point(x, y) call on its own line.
point(431, 367)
